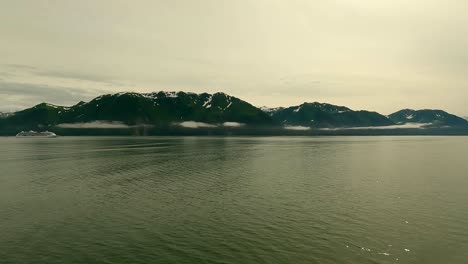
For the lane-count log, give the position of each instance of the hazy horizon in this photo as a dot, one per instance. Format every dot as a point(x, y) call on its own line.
point(375, 55)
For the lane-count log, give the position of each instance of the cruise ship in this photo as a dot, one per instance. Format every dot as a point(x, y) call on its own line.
point(34, 134)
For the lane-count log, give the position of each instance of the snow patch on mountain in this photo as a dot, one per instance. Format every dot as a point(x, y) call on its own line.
point(157, 95)
point(265, 108)
point(207, 103)
point(51, 105)
point(171, 94)
point(229, 99)
point(270, 110)
point(410, 116)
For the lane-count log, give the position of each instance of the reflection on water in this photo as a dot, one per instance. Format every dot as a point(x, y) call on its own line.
point(234, 200)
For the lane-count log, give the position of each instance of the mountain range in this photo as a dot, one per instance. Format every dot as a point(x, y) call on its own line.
point(430, 117)
point(321, 115)
point(191, 110)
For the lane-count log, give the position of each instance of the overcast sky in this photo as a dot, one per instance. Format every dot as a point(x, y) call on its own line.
point(365, 54)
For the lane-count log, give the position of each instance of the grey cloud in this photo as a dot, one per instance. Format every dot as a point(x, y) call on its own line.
point(5, 74)
point(21, 66)
point(367, 54)
point(79, 76)
point(10, 70)
point(27, 95)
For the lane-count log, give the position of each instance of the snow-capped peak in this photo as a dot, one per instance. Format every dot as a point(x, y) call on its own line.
point(171, 94)
point(270, 110)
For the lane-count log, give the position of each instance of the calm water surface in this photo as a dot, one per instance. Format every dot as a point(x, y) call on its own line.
point(234, 200)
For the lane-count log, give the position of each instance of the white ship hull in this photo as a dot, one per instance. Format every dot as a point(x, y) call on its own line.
point(33, 134)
